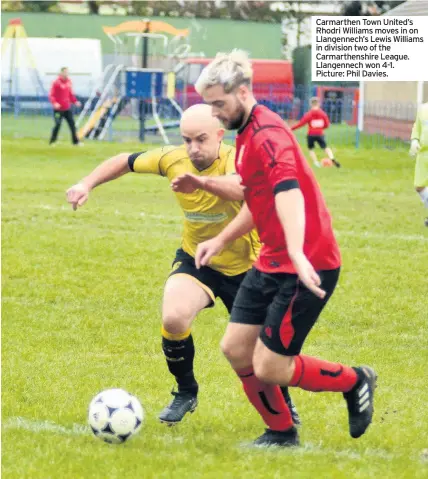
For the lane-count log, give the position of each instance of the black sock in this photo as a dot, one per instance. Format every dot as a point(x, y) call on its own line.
point(286, 395)
point(179, 358)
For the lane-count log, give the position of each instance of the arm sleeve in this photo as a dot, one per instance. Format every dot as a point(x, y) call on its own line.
point(417, 127)
point(278, 155)
point(73, 99)
point(147, 162)
point(52, 94)
point(305, 118)
point(326, 120)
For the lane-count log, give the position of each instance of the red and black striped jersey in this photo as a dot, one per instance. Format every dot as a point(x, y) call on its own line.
point(269, 160)
point(317, 121)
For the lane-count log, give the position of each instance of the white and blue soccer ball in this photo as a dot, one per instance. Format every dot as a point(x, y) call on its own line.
point(115, 416)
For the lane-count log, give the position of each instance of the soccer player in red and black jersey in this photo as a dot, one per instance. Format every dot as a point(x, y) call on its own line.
point(284, 293)
point(317, 121)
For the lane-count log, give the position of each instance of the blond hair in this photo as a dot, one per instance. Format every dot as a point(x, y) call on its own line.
point(315, 101)
point(227, 69)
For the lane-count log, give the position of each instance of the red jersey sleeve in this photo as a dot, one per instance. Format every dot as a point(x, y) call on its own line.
point(305, 119)
point(278, 155)
point(73, 99)
point(326, 120)
point(53, 93)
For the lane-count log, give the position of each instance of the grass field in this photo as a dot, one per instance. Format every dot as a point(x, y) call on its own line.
point(81, 301)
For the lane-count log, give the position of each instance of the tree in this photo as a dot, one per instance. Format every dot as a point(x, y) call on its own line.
point(43, 6)
point(388, 5)
point(94, 7)
point(354, 8)
point(368, 8)
point(253, 11)
point(235, 10)
point(28, 6)
point(294, 15)
point(11, 6)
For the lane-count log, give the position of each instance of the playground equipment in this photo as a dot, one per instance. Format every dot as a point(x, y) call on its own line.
point(144, 83)
point(19, 71)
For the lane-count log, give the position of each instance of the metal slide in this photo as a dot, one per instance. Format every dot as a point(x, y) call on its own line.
point(105, 99)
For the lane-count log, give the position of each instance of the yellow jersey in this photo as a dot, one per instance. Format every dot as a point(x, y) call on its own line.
point(205, 215)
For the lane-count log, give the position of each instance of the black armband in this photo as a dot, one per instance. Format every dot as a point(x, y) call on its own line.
point(132, 158)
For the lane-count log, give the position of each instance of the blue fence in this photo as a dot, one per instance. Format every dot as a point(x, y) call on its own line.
point(385, 124)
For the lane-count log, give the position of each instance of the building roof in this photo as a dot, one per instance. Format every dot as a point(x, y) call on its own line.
point(411, 7)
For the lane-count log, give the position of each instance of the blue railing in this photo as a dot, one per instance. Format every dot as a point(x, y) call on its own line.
point(384, 123)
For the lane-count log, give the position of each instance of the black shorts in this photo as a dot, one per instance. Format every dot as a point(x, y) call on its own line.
point(312, 139)
point(216, 284)
point(285, 308)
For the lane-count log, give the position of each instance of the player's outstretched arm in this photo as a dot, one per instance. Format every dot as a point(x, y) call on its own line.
point(110, 169)
point(415, 136)
point(227, 187)
point(290, 207)
point(242, 224)
point(301, 123)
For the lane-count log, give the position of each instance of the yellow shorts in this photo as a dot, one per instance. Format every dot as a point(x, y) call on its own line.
point(421, 169)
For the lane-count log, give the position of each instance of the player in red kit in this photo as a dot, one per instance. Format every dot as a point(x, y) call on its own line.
point(317, 121)
point(282, 296)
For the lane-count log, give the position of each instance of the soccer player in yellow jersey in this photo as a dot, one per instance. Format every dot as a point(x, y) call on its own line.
point(188, 290)
point(419, 149)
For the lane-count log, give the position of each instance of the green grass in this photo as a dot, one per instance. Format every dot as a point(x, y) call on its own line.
point(40, 126)
point(81, 302)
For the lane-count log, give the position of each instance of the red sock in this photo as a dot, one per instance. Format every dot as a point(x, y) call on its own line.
point(267, 399)
point(313, 374)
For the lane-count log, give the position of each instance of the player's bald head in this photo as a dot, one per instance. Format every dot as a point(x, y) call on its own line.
point(202, 134)
point(199, 118)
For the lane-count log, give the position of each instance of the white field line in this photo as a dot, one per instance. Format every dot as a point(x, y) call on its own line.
point(117, 212)
point(49, 426)
point(45, 426)
point(383, 236)
point(322, 450)
point(366, 234)
point(81, 430)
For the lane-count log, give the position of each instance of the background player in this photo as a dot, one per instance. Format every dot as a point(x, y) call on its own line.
point(189, 290)
point(297, 269)
point(317, 121)
point(419, 148)
point(61, 96)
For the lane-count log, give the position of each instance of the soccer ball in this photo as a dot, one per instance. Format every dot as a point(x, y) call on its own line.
point(115, 415)
point(326, 162)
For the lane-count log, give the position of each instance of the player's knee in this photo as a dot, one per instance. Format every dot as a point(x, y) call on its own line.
point(265, 371)
point(228, 349)
point(176, 321)
point(270, 372)
point(235, 352)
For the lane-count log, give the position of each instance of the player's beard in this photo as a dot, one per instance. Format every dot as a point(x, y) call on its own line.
point(201, 163)
point(238, 120)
